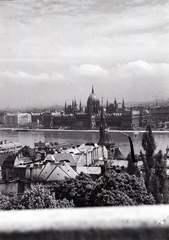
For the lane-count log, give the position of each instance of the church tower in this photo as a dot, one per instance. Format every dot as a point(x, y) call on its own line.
point(115, 105)
point(105, 138)
point(80, 106)
point(65, 106)
point(123, 105)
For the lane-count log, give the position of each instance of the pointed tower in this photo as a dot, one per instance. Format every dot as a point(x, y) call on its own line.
point(105, 138)
point(114, 152)
point(65, 106)
point(115, 105)
point(107, 106)
point(92, 89)
point(75, 104)
point(123, 105)
point(80, 106)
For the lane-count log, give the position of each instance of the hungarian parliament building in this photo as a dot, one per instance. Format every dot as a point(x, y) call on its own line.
point(76, 117)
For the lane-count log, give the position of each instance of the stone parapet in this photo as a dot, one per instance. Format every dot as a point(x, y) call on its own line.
point(115, 223)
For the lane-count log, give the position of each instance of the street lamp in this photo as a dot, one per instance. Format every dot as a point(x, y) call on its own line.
point(131, 144)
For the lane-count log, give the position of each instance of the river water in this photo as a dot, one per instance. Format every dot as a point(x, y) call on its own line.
point(79, 137)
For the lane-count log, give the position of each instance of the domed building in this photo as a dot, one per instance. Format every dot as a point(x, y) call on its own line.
point(75, 117)
point(93, 103)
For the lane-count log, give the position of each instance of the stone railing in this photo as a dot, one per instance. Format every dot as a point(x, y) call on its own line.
point(104, 223)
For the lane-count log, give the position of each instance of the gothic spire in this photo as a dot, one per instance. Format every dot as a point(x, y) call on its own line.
point(80, 106)
point(104, 136)
point(107, 104)
point(92, 89)
point(123, 106)
point(73, 103)
point(115, 102)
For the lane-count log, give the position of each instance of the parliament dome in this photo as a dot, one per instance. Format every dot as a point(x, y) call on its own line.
point(93, 103)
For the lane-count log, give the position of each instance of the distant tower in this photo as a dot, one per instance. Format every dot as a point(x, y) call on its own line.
point(105, 138)
point(115, 105)
point(107, 106)
point(80, 106)
point(73, 104)
point(123, 106)
point(92, 89)
point(65, 106)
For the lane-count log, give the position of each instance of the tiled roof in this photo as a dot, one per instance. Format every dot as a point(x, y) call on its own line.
point(65, 157)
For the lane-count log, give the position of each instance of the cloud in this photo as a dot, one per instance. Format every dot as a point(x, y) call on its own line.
point(133, 81)
point(22, 78)
point(89, 70)
point(55, 50)
point(101, 31)
point(141, 81)
point(22, 89)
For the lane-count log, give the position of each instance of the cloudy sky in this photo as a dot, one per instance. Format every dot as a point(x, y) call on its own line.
point(55, 50)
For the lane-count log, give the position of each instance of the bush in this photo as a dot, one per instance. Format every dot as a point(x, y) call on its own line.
point(111, 189)
point(40, 197)
point(8, 201)
point(130, 185)
point(79, 190)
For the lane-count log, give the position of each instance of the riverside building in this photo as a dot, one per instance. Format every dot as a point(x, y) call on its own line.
point(76, 117)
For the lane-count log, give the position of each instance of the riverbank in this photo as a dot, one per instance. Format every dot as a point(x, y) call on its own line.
point(77, 137)
point(79, 130)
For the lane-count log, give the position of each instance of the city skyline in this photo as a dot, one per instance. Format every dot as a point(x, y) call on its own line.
point(54, 51)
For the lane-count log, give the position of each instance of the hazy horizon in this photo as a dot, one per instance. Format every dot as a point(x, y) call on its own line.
point(53, 51)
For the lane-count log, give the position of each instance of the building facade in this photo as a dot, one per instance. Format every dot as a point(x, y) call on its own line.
point(75, 117)
point(17, 119)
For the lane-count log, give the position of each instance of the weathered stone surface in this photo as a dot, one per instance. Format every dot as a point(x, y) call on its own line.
point(136, 223)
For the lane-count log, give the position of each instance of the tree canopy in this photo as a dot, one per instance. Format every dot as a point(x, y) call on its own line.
point(79, 190)
point(159, 185)
point(111, 189)
point(38, 197)
point(148, 144)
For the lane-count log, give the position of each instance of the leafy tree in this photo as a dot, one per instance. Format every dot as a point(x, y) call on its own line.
point(79, 190)
point(159, 180)
point(129, 185)
point(149, 146)
point(111, 189)
point(155, 168)
point(112, 198)
point(8, 201)
point(39, 197)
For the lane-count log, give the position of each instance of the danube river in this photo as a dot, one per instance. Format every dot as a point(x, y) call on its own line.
point(79, 137)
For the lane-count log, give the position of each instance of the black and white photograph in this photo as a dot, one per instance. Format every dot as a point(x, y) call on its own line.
point(84, 119)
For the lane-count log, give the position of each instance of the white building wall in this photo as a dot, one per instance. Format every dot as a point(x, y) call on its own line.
point(24, 118)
